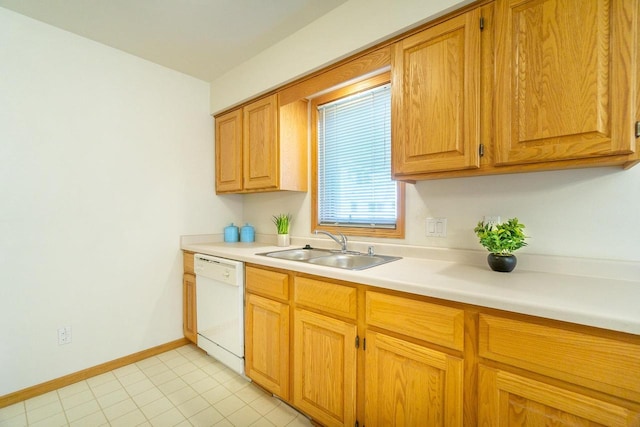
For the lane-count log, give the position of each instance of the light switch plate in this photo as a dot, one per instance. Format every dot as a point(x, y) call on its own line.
point(492, 219)
point(436, 227)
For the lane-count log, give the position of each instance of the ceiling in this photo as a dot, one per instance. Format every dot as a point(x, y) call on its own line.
point(202, 38)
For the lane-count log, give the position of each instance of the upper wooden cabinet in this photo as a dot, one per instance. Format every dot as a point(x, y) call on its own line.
point(436, 98)
point(254, 143)
point(564, 79)
point(229, 152)
point(544, 85)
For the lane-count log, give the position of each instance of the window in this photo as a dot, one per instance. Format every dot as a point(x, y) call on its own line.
point(353, 190)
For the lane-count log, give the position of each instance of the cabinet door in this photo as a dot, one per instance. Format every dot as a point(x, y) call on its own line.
point(507, 399)
point(229, 152)
point(564, 78)
point(436, 96)
point(324, 381)
point(602, 363)
point(260, 144)
point(410, 385)
point(189, 326)
point(267, 344)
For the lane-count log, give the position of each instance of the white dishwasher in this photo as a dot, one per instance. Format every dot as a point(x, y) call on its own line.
point(220, 309)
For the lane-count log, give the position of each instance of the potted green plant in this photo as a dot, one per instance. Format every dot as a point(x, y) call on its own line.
point(282, 222)
point(501, 240)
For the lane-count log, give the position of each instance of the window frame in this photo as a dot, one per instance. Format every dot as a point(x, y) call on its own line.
point(350, 89)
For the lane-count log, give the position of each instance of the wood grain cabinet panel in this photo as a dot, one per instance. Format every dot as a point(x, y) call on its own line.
point(267, 329)
point(262, 147)
point(436, 98)
point(189, 319)
point(426, 321)
point(329, 297)
point(188, 262)
point(564, 84)
point(268, 283)
point(260, 135)
point(267, 344)
point(508, 399)
point(600, 363)
point(229, 152)
point(324, 368)
point(410, 385)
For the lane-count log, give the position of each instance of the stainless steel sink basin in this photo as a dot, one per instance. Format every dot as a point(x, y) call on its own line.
point(352, 261)
point(298, 254)
point(348, 261)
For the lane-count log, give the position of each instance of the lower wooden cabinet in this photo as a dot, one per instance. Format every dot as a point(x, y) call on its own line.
point(324, 368)
point(267, 330)
point(590, 359)
point(537, 372)
point(508, 399)
point(345, 353)
point(267, 344)
point(189, 323)
point(407, 384)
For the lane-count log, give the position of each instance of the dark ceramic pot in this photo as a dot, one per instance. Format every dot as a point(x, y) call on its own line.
point(502, 263)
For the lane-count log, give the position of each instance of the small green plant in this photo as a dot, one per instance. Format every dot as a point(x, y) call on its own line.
point(282, 222)
point(501, 239)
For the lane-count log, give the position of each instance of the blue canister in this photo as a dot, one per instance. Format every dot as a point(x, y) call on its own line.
point(248, 233)
point(231, 233)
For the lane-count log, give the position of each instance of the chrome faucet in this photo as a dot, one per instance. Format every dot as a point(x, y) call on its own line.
point(342, 241)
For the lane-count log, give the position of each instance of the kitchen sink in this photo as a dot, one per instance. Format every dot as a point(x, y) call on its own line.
point(347, 261)
point(352, 261)
point(298, 254)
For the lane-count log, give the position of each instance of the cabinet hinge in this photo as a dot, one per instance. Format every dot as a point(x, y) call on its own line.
point(364, 343)
point(637, 129)
point(356, 424)
point(481, 23)
point(357, 341)
point(481, 150)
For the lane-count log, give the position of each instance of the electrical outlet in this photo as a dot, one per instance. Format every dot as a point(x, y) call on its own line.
point(436, 227)
point(64, 335)
point(493, 219)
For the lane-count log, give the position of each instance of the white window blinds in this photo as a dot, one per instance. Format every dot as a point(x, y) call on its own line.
point(354, 161)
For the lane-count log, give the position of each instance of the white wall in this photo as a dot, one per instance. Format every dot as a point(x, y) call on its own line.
point(589, 213)
point(105, 160)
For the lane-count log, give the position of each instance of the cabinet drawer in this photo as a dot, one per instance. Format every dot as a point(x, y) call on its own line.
point(418, 319)
point(329, 297)
point(597, 362)
point(267, 282)
point(187, 262)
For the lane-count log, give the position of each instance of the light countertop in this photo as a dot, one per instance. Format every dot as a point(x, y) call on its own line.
point(608, 303)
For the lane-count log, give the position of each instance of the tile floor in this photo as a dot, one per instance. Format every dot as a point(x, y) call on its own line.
point(182, 387)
